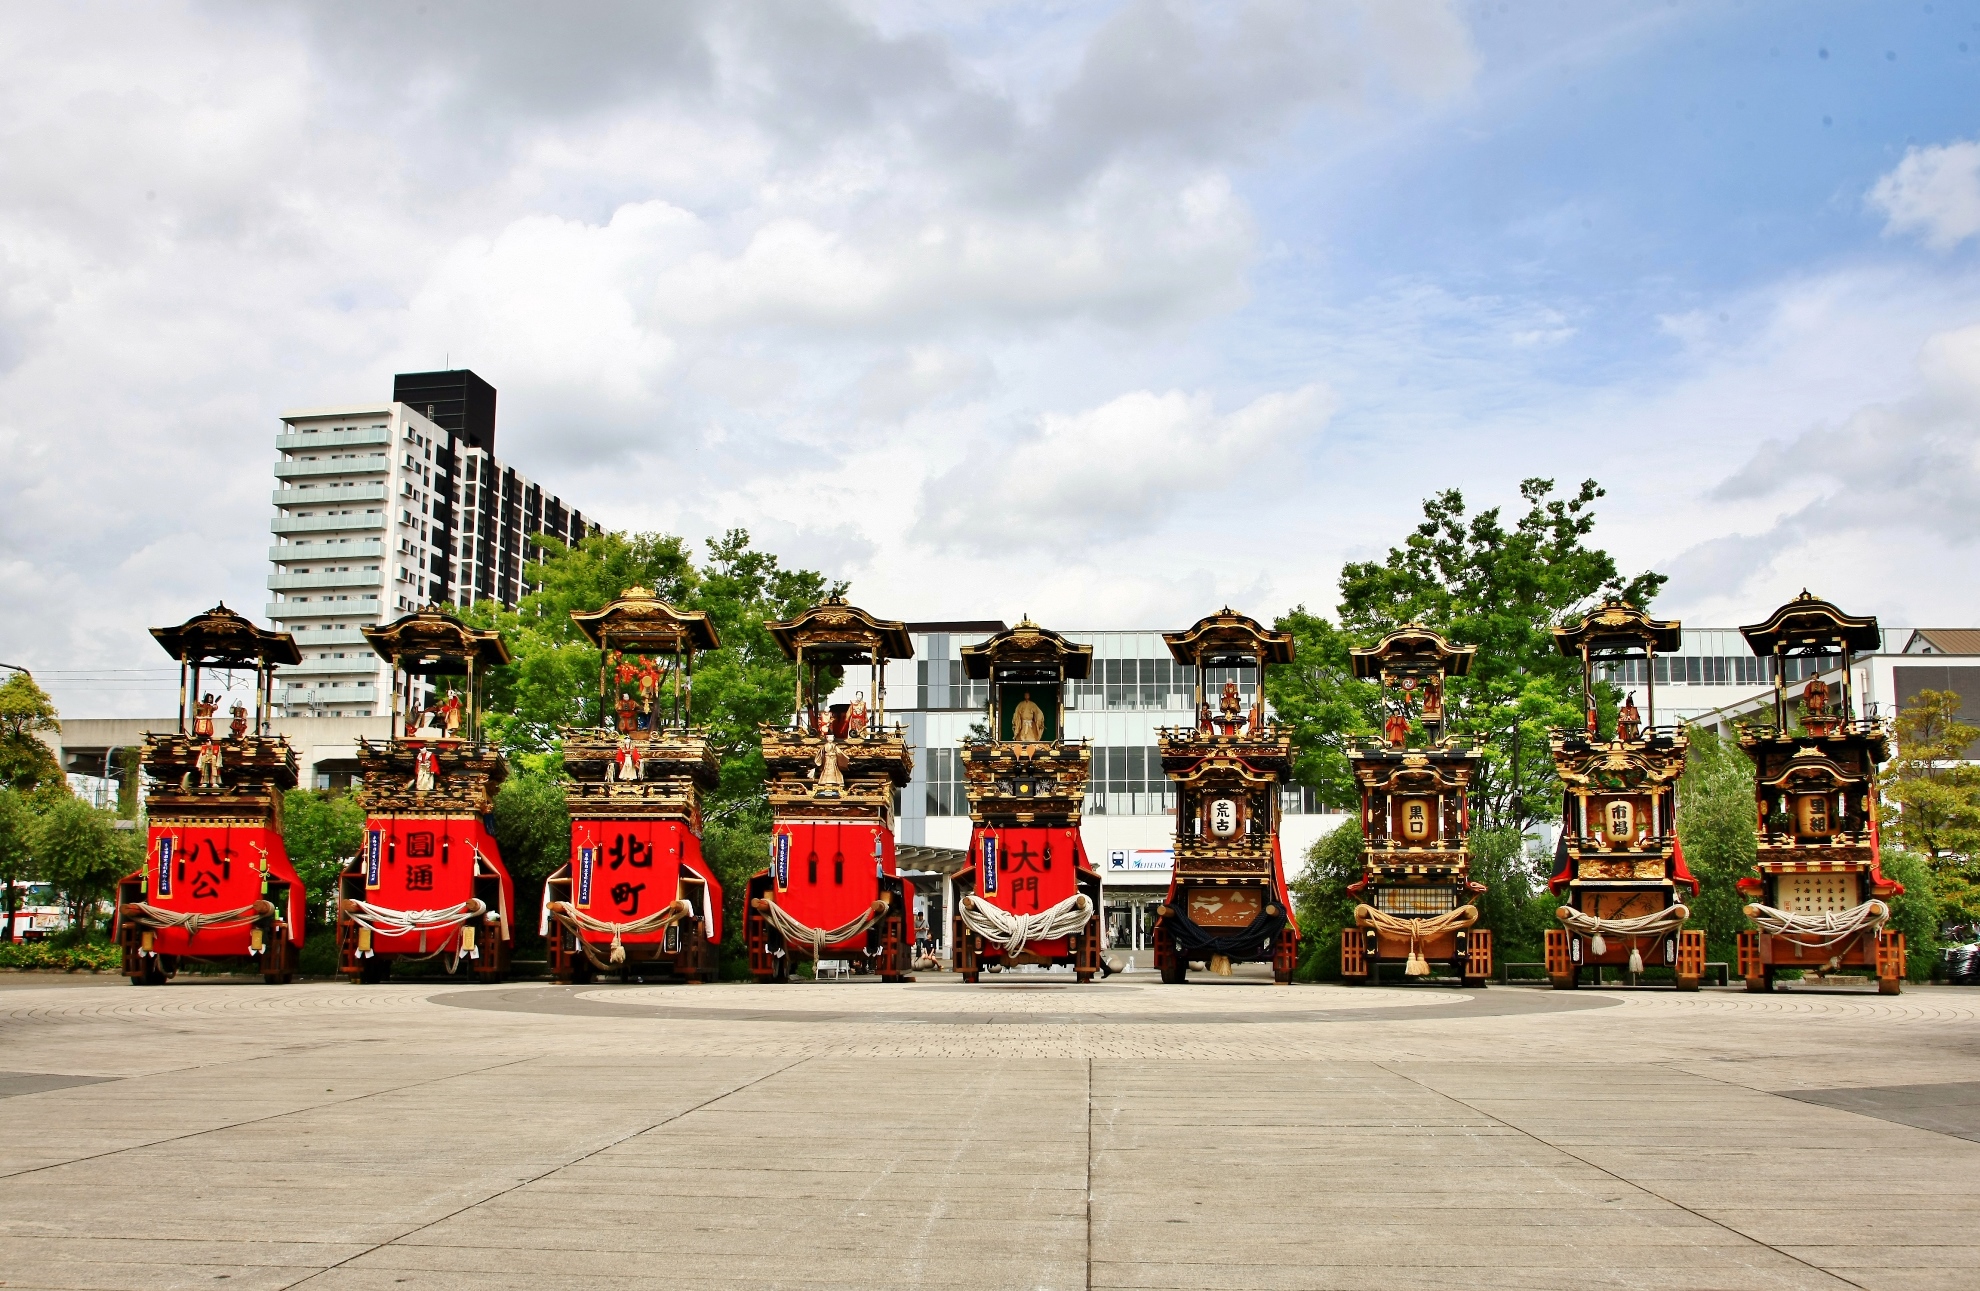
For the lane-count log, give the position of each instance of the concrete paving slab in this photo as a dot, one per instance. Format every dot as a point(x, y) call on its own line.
point(856, 1135)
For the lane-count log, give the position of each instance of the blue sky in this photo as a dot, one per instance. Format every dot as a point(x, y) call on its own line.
point(1108, 313)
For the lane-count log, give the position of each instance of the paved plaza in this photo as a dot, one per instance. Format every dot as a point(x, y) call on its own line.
point(1022, 1133)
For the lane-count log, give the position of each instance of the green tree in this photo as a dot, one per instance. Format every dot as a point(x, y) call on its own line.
point(1936, 791)
point(1328, 710)
point(1322, 902)
point(79, 849)
point(1715, 828)
point(26, 763)
point(17, 825)
point(553, 680)
point(1915, 912)
point(1502, 590)
point(748, 681)
point(735, 851)
point(1515, 906)
point(1480, 583)
point(320, 831)
point(533, 829)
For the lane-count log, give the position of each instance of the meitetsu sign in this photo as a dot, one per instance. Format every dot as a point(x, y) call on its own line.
point(1141, 858)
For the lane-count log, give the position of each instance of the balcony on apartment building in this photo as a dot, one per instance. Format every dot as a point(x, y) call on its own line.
point(324, 494)
point(349, 549)
point(320, 524)
point(370, 464)
point(325, 578)
point(364, 661)
point(322, 607)
point(296, 441)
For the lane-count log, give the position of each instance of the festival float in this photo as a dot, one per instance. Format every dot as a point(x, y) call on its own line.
point(1030, 896)
point(1227, 902)
point(1820, 899)
point(637, 895)
point(428, 881)
point(831, 890)
point(1619, 867)
point(1415, 901)
point(217, 886)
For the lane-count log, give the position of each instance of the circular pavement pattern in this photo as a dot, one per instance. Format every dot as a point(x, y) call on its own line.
point(1019, 1003)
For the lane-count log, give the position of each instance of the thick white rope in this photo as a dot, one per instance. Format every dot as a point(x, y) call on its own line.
point(580, 922)
point(798, 933)
point(383, 921)
point(1820, 931)
point(151, 916)
point(1367, 916)
point(1656, 924)
point(1010, 933)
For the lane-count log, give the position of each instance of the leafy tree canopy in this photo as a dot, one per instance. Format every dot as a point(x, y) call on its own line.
point(16, 852)
point(1936, 790)
point(319, 831)
point(554, 679)
point(1480, 583)
point(533, 828)
point(25, 762)
point(1715, 827)
point(79, 849)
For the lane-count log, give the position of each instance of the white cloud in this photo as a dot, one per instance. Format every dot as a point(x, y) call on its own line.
point(715, 261)
point(1117, 470)
point(1844, 502)
point(1933, 193)
point(898, 384)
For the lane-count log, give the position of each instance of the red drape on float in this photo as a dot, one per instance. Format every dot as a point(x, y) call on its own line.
point(826, 873)
point(204, 869)
point(623, 870)
point(428, 863)
point(1027, 870)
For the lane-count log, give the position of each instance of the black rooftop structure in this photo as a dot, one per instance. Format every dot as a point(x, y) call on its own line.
point(456, 401)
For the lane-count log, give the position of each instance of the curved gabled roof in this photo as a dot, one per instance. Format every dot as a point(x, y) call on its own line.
point(1412, 648)
point(1228, 633)
point(1027, 643)
point(224, 637)
point(433, 643)
point(639, 620)
point(1619, 625)
point(835, 632)
point(1808, 624)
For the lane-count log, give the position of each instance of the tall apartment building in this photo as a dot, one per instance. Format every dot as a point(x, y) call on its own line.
point(381, 508)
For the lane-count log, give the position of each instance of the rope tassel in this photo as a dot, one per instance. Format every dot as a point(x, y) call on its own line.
point(1635, 960)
